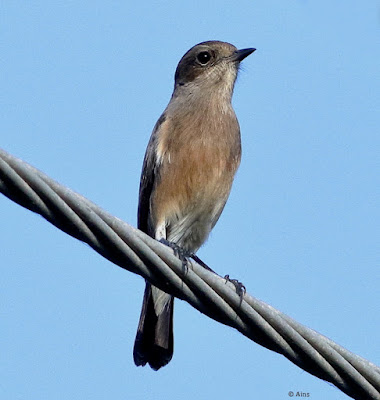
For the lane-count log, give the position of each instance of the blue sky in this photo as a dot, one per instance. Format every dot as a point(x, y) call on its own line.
point(82, 87)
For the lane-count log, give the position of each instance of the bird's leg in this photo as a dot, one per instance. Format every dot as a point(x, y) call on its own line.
point(200, 262)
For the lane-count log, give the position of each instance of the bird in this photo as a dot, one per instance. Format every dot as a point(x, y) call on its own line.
point(190, 162)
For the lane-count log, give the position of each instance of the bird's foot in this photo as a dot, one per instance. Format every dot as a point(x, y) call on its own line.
point(184, 255)
point(179, 252)
point(239, 287)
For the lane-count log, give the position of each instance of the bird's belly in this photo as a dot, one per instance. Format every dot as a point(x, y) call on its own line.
point(193, 216)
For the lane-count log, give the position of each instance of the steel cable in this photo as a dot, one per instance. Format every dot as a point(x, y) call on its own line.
point(211, 294)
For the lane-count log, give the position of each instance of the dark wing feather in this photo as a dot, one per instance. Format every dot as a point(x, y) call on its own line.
point(149, 176)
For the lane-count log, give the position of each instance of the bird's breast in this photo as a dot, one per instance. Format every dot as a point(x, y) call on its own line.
point(198, 161)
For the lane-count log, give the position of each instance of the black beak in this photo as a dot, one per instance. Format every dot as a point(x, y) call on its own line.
point(240, 55)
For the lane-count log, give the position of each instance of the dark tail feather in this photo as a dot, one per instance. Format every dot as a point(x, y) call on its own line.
point(154, 339)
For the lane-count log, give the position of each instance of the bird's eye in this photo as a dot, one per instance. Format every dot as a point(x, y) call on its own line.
point(204, 57)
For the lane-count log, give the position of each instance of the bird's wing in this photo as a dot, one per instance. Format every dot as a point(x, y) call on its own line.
point(149, 178)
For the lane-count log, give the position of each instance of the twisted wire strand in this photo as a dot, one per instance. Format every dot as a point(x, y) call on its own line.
point(209, 293)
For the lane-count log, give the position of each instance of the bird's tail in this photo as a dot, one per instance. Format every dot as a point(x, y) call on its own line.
point(154, 338)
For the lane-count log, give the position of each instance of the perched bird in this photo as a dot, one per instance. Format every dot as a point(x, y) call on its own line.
point(189, 165)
